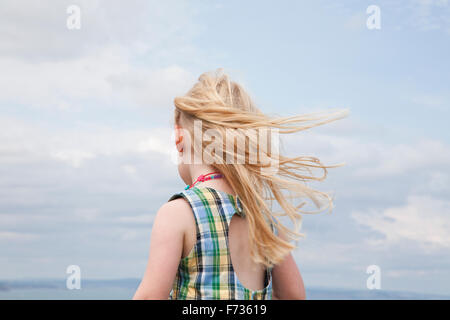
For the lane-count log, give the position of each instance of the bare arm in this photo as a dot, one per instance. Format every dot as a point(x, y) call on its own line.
point(287, 281)
point(166, 248)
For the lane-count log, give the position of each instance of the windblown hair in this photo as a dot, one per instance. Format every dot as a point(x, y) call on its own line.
point(221, 104)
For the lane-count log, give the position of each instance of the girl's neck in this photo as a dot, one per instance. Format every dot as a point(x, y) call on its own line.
point(218, 184)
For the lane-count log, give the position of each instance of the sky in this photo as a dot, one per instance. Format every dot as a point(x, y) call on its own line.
point(86, 115)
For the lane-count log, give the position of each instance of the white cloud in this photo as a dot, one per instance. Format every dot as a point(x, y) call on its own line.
point(22, 142)
point(38, 31)
point(371, 159)
point(129, 169)
point(16, 236)
point(152, 88)
point(45, 65)
point(87, 214)
point(106, 77)
point(401, 158)
point(423, 220)
point(73, 157)
point(439, 181)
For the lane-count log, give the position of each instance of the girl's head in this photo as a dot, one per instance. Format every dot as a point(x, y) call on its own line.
point(216, 123)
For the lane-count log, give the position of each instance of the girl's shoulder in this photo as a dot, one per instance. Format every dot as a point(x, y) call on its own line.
point(173, 216)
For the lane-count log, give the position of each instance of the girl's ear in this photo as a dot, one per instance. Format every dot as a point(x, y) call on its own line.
point(179, 138)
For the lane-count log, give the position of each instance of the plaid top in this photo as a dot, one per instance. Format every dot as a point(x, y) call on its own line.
point(207, 273)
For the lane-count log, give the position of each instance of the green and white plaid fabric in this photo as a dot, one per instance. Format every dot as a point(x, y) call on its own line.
point(207, 273)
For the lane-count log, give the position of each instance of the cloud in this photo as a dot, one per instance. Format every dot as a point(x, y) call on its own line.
point(402, 273)
point(371, 158)
point(439, 181)
point(423, 220)
point(24, 142)
point(74, 195)
point(16, 236)
point(38, 32)
point(357, 21)
point(105, 78)
point(423, 15)
point(431, 14)
point(72, 157)
point(105, 63)
point(152, 88)
point(402, 158)
point(431, 102)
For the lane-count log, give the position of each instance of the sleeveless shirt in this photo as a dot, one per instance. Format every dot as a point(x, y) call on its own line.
point(207, 272)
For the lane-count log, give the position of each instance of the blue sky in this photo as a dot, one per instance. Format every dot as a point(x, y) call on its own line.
point(85, 117)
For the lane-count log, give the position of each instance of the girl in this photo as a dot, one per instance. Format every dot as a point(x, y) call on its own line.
point(220, 238)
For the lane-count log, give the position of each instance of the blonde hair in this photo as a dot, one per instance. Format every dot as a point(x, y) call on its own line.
point(222, 104)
